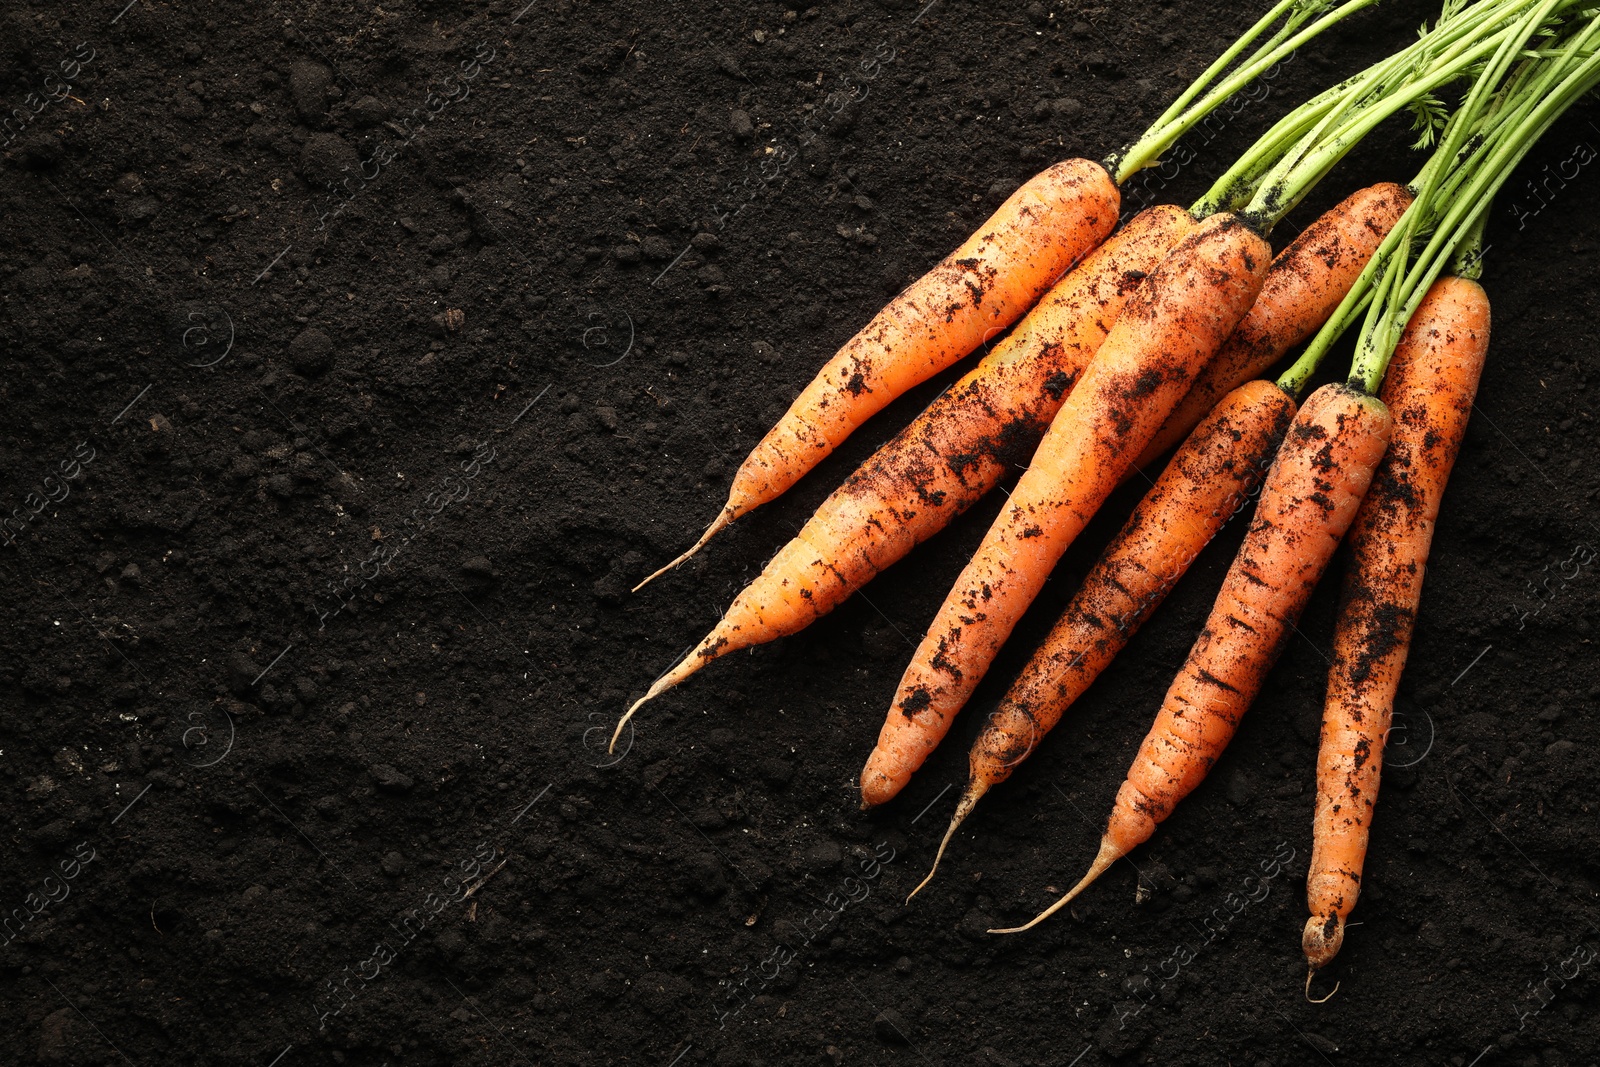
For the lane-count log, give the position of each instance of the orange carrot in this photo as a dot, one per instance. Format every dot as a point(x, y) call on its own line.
point(1051, 222)
point(1430, 384)
point(949, 456)
point(1312, 492)
point(1175, 323)
point(1307, 281)
point(1209, 479)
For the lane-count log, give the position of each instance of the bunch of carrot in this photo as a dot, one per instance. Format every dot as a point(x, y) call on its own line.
point(1153, 335)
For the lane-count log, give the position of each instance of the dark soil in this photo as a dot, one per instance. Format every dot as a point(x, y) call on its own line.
point(324, 611)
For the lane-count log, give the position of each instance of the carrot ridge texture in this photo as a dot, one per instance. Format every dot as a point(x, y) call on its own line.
point(1307, 281)
point(1166, 333)
point(1050, 223)
point(1311, 494)
point(949, 456)
point(1429, 388)
point(1208, 480)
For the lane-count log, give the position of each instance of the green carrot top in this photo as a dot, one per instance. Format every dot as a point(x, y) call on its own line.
point(1517, 95)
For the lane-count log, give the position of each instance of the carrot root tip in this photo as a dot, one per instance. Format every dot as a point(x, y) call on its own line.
point(1109, 853)
point(623, 722)
point(723, 518)
point(1311, 972)
point(685, 668)
point(963, 809)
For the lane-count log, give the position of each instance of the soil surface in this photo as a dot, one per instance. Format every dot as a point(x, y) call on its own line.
point(357, 361)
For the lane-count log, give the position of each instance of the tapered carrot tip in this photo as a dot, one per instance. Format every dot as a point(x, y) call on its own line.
point(1109, 853)
point(1322, 939)
point(968, 800)
point(690, 663)
point(725, 516)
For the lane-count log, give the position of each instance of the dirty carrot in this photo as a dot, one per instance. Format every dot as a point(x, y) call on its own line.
point(1431, 384)
point(1166, 333)
point(949, 456)
point(1311, 495)
point(1429, 389)
point(1210, 479)
point(1047, 225)
point(1307, 281)
point(1062, 488)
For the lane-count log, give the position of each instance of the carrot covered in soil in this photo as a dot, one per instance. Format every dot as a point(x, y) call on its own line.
point(1047, 225)
point(1167, 332)
point(1431, 385)
point(1308, 280)
point(949, 456)
point(1311, 495)
point(1328, 460)
point(1044, 516)
point(1209, 480)
point(1429, 389)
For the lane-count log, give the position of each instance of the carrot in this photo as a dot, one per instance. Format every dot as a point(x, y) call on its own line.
point(1307, 281)
point(949, 456)
point(1429, 387)
point(1052, 221)
point(1209, 479)
point(1175, 323)
point(1311, 494)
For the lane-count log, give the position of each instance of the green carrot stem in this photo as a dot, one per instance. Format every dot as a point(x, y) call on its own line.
point(1444, 187)
point(1287, 142)
point(1222, 63)
point(1468, 262)
point(1379, 334)
point(1235, 188)
point(1296, 175)
point(1501, 157)
point(1183, 116)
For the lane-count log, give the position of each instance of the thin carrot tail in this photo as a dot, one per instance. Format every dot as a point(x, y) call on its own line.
point(1109, 853)
point(687, 666)
point(975, 790)
point(725, 516)
point(1311, 972)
